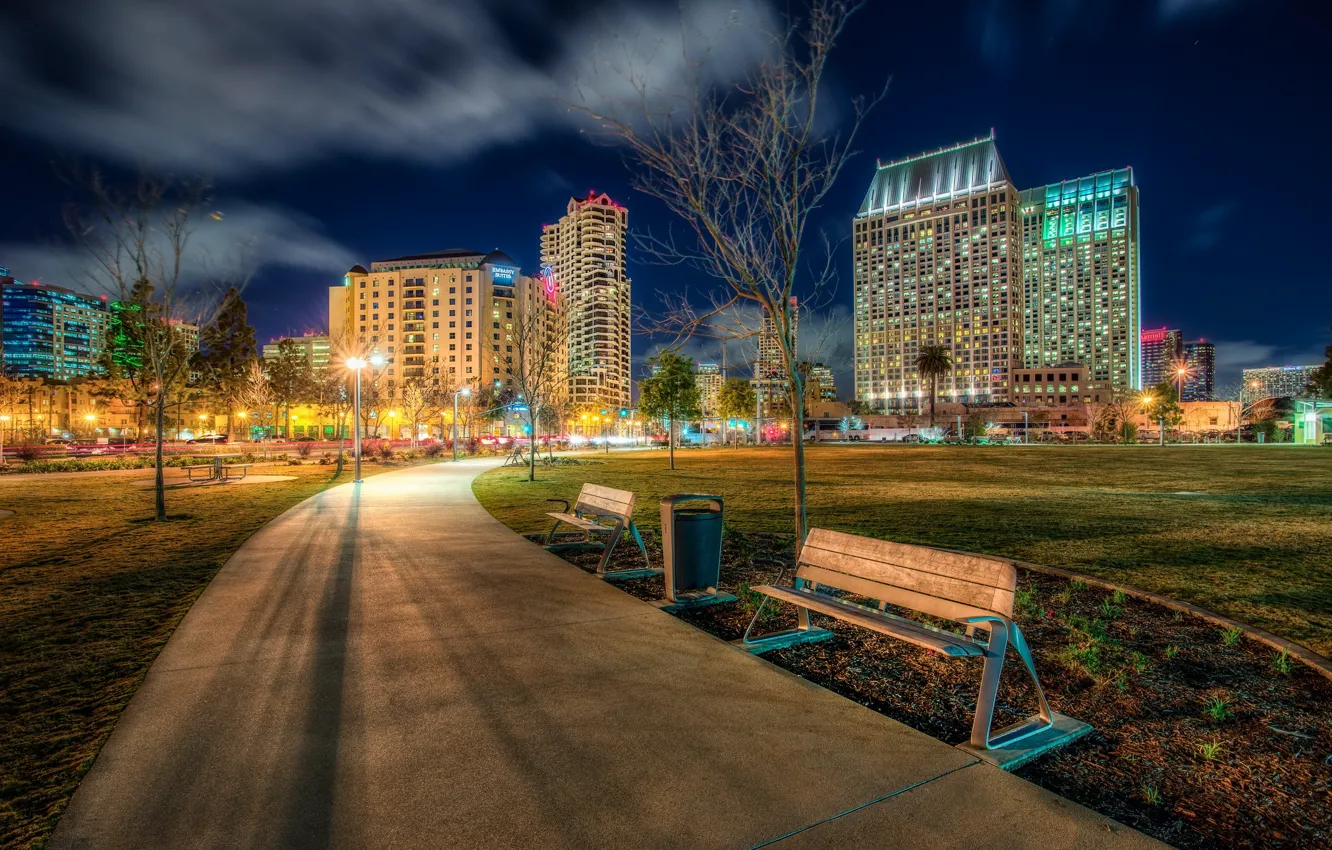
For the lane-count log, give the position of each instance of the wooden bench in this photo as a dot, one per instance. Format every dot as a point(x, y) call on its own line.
point(227, 468)
point(970, 590)
point(206, 468)
point(596, 506)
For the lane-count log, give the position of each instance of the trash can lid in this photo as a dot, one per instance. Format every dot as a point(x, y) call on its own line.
point(692, 514)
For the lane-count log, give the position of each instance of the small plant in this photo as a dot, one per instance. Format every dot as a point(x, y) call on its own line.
point(1231, 636)
point(293, 461)
point(1217, 710)
point(1081, 659)
point(304, 449)
point(1138, 662)
point(1172, 652)
point(1210, 750)
point(1179, 616)
point(1151, 794)
point(1077, 585)
point(1281, 662)
point(1024, 601)
point(433, 450)
point(1119, 597)
point(1109, 610)
point(385, 450)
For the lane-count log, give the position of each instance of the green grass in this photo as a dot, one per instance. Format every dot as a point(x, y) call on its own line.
point(1245, 531)
point(90, 590)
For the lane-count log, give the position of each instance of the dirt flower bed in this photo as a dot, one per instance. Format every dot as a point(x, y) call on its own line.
point(1202, 738)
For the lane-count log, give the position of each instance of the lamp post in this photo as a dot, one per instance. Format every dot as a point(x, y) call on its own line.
point(356, 364)
point(456, 393)
point(4, 423)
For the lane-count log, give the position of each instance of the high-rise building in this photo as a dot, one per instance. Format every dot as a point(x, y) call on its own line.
point(1058, 386)
point(1200, 361)
point(1276, 382)
point(1162, 351)
point(824, 385)
point(938, 259)
point(770, 378)
point(314, 349)
point(1080, 290)
point(50, 332)
point(448, 314)
point(583, 256)
point(708, 382)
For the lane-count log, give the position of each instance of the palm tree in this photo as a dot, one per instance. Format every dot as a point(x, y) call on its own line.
point(933, 361)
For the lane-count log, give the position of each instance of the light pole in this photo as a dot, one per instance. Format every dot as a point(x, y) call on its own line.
point(356, 364)
point(1026, 427)
point(4, 422)
point(456, 393)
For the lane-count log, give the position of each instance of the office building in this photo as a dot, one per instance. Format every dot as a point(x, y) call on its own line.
point(1162, 352)
point(708, 382)
point(1060, 385)
point(1276, 382)
point(583, 258)
point(1200, 361)
point(314, 349)
point(938, 255)
point(448, 315)
point(1080, 280)
point(770, 380)
point(822, 385)
point(49, 332)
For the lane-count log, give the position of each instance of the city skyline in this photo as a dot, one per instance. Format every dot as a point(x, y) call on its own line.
point(1188, 279)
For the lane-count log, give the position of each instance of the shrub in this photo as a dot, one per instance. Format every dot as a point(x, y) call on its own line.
point(433, 449)
point(26, 452)
point(1281, 662)
point(293, 461)
point(304, 449)
point(385, 450)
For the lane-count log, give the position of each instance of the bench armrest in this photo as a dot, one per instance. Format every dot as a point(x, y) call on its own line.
point(774, 562)
point(564, 502)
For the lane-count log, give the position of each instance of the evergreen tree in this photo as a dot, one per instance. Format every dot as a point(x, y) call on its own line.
point(226, 350)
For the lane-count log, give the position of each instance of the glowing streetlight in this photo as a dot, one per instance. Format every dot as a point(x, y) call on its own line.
point(356, 364)
point(456, 393)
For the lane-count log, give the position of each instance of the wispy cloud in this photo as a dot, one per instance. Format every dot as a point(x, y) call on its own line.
point(242, 85)
point(1209, 227)
point(245, 238)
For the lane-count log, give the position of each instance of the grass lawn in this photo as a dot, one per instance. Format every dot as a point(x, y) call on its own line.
point(90, 590)
point(1242, 530)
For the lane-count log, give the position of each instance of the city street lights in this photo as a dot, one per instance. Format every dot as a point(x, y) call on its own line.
point(1146, 400)
point(456, 393)
point(356, 364)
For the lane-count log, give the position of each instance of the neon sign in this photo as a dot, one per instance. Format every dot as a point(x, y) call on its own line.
point(503, 274)
point(548, 280)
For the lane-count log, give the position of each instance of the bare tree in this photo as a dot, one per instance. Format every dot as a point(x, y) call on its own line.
point(540, 387)
point(745, 167)
point(139, 242)
point(256, 392)
point(335, 401)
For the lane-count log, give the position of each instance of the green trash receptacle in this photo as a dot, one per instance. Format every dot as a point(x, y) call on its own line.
point(691, 540)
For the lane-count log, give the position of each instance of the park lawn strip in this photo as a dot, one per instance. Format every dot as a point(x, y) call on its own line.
point(90, 590)
point(1242, 530)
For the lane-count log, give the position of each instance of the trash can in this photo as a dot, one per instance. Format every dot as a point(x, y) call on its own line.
point(691, 538)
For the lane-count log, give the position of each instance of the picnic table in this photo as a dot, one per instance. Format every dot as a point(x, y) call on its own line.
point(215, 472)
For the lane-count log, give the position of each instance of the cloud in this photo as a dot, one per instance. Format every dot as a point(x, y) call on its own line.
point(247, 237)
point(1234, 356)
point(1168, 10)
point(246, 85)
point(1207, 229)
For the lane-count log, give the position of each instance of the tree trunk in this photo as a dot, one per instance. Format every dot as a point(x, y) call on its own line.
point(670, 441)
point(531, 460)
point(159, 481)
point(798, 441)
point(933, 389)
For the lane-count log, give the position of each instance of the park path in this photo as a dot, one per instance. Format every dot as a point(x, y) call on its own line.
point(386, 665)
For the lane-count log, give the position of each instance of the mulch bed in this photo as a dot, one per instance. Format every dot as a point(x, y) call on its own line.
point(1202, 738)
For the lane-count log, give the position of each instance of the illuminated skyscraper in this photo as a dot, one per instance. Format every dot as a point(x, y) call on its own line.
point(313, 349)
point(1162, 349)
point(708, 382)
point(1080, 298)
point(1200, 360)
point(585, 251)
point(937, 262)
point(50, 332)
point(1276, 382)
point(770, 381)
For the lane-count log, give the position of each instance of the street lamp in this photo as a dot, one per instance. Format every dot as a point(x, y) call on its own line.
point(356, 364)
point(456, 393)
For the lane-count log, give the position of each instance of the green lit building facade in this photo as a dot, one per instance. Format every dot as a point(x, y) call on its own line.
point(1080, 277)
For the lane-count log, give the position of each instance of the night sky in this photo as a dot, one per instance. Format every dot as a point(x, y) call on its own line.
point(343, 131)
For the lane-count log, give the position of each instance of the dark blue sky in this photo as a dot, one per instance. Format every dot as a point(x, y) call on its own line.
point(343, 137)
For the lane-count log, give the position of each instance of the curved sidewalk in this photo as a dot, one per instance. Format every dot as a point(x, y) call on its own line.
point(386, 665)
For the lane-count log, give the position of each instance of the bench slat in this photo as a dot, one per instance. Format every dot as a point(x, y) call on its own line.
point(993, 572)
point(593, 504)
point(935, 606)
point(585, 524)
point(921, 635)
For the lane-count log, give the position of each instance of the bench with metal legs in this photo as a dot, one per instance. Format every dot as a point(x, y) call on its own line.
point(595, 507)
point(970, 590)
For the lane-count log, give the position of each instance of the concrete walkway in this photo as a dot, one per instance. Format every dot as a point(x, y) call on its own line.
point(386, 665)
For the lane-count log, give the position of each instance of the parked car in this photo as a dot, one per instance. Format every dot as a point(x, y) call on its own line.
point(207, 440)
